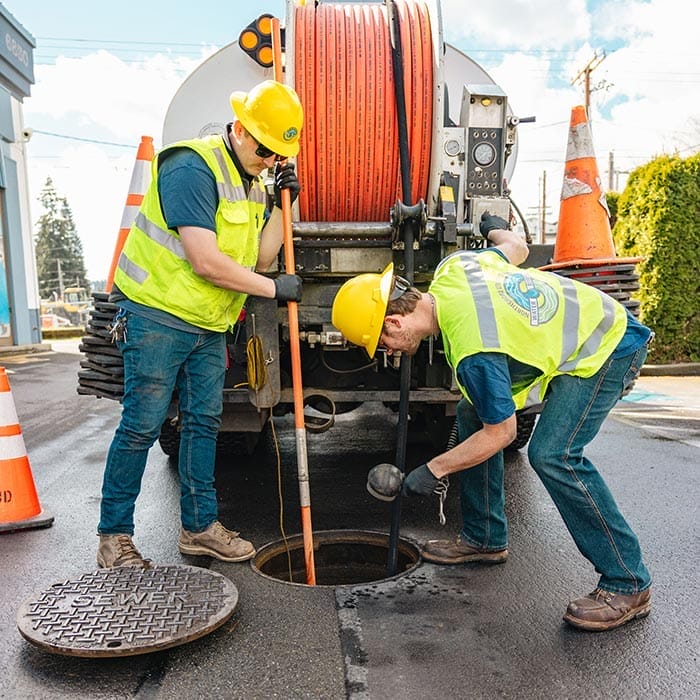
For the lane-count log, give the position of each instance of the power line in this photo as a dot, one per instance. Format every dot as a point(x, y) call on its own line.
point(80, 138)
point(127, 41)
point(50, 48)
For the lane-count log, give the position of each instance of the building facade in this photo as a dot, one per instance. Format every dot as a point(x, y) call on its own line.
point(19, 292)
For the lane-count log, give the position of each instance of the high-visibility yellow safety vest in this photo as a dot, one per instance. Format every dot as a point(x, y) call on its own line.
point(153, 269)
point(560, 326)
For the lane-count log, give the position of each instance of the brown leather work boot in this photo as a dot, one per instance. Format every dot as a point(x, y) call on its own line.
point(216, 541)
point(459, 552)
point(119, 550)
point(601, 610)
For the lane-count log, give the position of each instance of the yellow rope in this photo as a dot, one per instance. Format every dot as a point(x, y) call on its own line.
point(257, 370)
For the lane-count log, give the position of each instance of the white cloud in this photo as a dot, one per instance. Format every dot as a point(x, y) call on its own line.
point(102, 98)
point(95, 185)
point(655, 82)
point(518, 24)
point(646, 91)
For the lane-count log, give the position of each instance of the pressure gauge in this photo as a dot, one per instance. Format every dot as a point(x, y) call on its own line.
point(453, 147)
point(484, 153)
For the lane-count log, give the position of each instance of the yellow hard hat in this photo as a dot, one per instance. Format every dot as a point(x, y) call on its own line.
point(359, 308)
point(272, 114)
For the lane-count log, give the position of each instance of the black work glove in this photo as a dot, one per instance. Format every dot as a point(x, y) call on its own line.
point(288, 288)
point(420, 482)
point(285, 179)
point(489, 222)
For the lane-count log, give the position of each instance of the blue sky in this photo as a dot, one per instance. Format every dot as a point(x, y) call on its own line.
point(106, 72)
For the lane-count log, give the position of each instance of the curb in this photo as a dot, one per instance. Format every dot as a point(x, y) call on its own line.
point(24, 349)
point(682, 369)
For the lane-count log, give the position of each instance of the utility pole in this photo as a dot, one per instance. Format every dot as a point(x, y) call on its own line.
point(617, 177)
point(585, 75)
point(611, 171)
point(60, 277)
point(544, 206)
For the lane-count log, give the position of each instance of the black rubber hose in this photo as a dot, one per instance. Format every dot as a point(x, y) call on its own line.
point(405, 380)
point(528, 237)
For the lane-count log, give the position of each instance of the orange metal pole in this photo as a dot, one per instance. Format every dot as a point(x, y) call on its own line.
point(297, 386)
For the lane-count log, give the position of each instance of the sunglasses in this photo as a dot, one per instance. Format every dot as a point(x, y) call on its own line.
point(401, 286)
point(263, 151)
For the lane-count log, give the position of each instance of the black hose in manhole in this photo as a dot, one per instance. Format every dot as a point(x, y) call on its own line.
point(341, 558)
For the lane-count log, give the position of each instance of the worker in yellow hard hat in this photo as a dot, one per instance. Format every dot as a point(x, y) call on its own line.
point(205, 233)
point(515, 337)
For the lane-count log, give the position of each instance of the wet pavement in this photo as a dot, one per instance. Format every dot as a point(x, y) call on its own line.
point(467, 631)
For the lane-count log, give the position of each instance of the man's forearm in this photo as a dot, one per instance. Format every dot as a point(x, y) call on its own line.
point(271, 240)
point(511, 244)
point(477, 448)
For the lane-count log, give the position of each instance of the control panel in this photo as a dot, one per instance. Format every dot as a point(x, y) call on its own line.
point(483, 115)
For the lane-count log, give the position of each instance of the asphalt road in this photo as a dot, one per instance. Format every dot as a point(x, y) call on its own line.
point(435, 632)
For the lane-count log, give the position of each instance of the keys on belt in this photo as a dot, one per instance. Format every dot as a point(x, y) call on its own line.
point(117, 328)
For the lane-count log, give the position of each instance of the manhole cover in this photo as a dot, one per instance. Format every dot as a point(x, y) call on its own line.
point(127, 611)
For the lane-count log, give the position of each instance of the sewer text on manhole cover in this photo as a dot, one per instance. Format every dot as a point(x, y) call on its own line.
point(128, 610)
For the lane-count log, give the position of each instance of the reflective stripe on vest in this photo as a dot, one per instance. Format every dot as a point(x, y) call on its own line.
point(234, 193)
point(161, 236)
point(571, 324)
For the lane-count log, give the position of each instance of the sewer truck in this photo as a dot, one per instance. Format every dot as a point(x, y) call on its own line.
point(406, 143)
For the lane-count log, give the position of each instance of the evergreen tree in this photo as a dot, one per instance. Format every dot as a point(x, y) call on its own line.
point(59, 250)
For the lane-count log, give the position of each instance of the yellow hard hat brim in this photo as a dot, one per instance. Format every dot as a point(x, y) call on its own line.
point(380, 312)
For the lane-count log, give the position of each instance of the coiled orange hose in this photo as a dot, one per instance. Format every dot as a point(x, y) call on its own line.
point(349, 159)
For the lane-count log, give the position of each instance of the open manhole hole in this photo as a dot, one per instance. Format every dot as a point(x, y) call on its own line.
point(341, 558)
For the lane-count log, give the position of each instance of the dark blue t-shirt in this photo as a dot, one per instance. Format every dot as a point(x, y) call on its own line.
point(187, 187)
point(187, 190)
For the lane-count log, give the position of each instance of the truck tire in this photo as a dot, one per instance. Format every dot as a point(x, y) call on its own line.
point(430, 426)
point(226, 442)
point(169, 439)
point(526, 424)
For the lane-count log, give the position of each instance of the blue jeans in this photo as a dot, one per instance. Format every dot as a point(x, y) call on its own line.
point(574, 410)
point(157, 360)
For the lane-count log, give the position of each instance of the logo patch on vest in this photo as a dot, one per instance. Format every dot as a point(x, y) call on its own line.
point(529, 297)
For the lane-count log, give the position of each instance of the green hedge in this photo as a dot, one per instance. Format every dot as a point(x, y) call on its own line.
point(658, 219)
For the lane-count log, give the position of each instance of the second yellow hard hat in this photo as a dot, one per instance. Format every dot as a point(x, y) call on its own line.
point(359, 308)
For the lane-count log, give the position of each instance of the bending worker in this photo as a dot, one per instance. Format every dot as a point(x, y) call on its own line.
point(515, 337)
point(196, 250)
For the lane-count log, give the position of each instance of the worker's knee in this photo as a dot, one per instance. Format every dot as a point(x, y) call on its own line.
point(542, 452)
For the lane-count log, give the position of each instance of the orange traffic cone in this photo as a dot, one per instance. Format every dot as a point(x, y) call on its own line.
point(584, 248)
point(140, 179)
point(19, 504)
point(583, 232)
